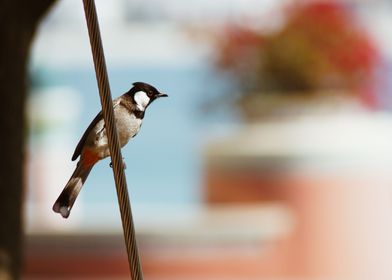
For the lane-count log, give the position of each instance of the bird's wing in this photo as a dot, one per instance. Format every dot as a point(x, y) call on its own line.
point(79, 147)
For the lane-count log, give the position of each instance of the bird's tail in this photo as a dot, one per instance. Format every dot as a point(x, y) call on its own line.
point(66, 200)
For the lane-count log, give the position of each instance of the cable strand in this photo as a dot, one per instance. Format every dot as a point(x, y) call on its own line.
point(113, 142)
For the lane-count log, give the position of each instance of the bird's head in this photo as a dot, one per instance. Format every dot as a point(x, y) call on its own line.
point(144, 94)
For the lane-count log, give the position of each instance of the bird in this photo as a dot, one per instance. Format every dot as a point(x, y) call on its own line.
point(129, 110)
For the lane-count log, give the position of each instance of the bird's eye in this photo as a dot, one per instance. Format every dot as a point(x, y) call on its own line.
point(149, 94)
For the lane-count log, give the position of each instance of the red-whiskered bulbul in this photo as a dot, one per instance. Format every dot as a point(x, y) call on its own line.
point(129, 111)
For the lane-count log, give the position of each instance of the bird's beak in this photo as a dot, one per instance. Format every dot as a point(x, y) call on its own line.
point(162, 95)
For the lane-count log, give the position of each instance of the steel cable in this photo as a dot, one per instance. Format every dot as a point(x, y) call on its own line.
point(113, 142)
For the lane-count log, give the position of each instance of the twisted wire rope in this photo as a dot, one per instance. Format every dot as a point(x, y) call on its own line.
point(113, 142)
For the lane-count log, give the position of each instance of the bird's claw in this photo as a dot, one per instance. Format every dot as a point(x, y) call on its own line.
point(124, 164)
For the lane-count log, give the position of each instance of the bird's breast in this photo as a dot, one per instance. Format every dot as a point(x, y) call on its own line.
point(128, 125)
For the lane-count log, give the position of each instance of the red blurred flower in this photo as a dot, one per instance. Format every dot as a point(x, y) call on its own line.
point(321, 46)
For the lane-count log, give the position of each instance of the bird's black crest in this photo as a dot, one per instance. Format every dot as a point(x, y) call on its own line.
point(138, 86)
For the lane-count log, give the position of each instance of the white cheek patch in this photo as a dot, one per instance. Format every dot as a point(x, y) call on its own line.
point(141, 100)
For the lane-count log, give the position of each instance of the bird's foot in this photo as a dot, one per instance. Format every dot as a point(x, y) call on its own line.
point(124, 164)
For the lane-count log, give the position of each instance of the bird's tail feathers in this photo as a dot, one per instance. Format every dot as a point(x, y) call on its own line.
point(66, 200)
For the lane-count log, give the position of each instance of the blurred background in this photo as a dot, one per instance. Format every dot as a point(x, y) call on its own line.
point(270, 159)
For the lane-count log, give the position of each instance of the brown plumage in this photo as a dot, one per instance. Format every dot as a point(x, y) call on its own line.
point(129, 111)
